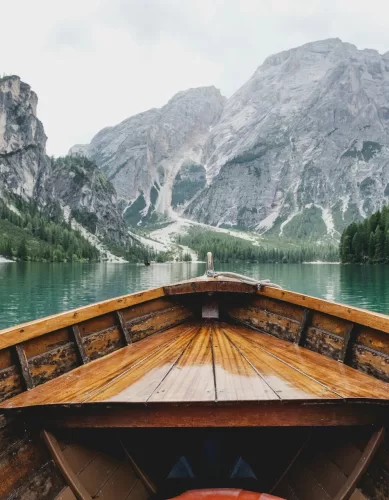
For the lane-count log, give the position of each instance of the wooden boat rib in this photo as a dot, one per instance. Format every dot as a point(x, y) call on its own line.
point(210, 382)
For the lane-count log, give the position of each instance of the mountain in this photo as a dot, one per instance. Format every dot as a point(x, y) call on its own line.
point(24, 166)
point(300, 151)
point(143, 155)
point(88, 196)
point(302, 148)
point(77, 184)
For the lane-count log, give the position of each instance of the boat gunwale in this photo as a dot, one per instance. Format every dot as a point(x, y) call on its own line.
point(42, 326)
point(353, 314)
point(32, 329)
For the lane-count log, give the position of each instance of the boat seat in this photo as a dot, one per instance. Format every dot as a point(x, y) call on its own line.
point(224, 494)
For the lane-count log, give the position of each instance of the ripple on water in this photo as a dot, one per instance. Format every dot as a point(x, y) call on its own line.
point(32, 290)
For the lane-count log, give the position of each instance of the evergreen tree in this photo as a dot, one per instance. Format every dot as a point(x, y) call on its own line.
point(22, 251)
point(357, 247)
point(379, 237)
point(370, 239)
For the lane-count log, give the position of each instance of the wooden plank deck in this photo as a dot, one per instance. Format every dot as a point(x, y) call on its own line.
point(207, 363)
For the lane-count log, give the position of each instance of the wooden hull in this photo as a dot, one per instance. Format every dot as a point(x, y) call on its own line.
point(329, 446)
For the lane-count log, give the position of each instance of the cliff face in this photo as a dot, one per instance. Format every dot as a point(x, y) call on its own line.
point(143, 155)
point(24, 166)
point(83, 188)
point(302, 148)
point(25, 169)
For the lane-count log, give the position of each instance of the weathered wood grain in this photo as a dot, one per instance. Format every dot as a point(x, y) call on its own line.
point(37, 328)
point(98, 324)
point(24, 368)
point(53, 363)
point(279, 307)
point(152, 306)
point(11, 382)
point(274, 324)
point(82, 382)
point(365, 460)
point(330, 324)
point(48, 342)
point(68, 473)
point(7, 358)
point(304, 324)
point(123, 328)
point(66, 494)
point(119, 485)
point(23, 458)
point(217, 415)
point(373, 339)
point(347, 343)
point(102, 343)
point(369, 361)
point(157, 321)
point(209, 285)
point(325, 343)
point(353, 314)
point(45, 484)
point(79, 344)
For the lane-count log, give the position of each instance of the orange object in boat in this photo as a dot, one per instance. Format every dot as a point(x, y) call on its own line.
point(224, 494)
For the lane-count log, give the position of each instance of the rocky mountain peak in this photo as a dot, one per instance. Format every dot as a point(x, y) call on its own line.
point(306, 139)
point(142, 155)
point(300, 150)
point(25, 169)
point(22, 139)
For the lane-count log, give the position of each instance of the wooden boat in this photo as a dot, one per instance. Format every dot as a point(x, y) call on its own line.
point(210, 383)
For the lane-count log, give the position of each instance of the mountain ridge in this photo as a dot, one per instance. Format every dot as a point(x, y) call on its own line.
point(300, 150)
point(26, 171)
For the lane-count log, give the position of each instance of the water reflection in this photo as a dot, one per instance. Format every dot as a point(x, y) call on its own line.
point(33, 290)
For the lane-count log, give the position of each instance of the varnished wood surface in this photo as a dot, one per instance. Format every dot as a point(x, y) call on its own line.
point(205, 363)
point(247, 414)
point(85, 381)
point(71, 478)
point(36, 328)
point(343, 380)
point(350, 313)
point(191, 378)
point(287, 382)
point(94, 473)
point(235, 377)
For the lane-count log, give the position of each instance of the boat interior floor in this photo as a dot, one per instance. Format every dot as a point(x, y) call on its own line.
point(293, 463)
point(208, 363)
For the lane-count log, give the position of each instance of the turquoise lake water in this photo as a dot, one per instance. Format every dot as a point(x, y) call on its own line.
point(32, 290)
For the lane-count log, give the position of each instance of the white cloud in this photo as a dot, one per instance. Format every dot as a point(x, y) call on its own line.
point(96, 62)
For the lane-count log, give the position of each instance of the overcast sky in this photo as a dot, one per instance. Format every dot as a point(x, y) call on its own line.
point(93, 63)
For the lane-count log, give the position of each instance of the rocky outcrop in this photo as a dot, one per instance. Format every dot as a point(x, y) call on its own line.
point(25, 169)
point(84, 190)
point(302, 149)
point(24, 166)
point(142, 155)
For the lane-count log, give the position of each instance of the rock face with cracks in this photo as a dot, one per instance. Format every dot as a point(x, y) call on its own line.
point(301, 150)
point(25, 169)
point(143, 155)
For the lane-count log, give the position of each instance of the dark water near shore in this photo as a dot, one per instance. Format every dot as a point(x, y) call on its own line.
point(32, 290)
